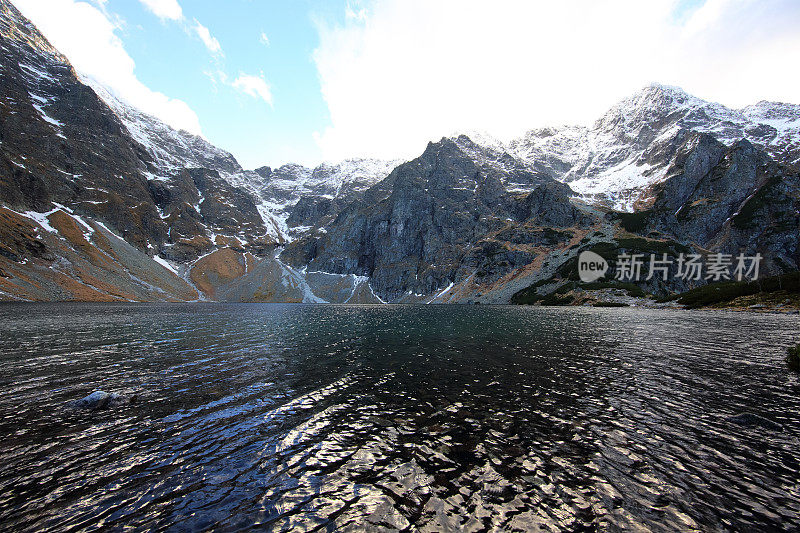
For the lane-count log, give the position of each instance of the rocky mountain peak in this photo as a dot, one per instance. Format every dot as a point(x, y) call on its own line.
point(663, 94)
point(631, 146)
point(265, 171)
point(744, 145)
point(358, 172)
point(650, 108)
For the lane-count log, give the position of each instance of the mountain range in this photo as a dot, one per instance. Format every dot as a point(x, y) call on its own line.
point(101, 202)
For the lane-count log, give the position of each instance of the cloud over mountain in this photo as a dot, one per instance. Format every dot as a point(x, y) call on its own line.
point(406, 71)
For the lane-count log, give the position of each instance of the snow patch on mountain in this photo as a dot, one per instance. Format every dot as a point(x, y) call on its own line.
point(283, 187)
point(617, 158)
point(170, 149)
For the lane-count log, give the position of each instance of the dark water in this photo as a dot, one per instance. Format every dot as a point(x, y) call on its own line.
point(425, 418)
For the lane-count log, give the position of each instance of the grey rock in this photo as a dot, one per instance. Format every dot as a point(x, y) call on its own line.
point(98, 400)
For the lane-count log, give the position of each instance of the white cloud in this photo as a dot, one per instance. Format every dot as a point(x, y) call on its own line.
point(210, 41)
point(171, 10)
point(164, 9)
point(264, 39)
point(398, 73)
point(254, 86)
point(355, 11)
point(97, 52)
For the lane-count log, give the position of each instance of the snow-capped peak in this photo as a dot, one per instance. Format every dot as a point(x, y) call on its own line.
point(617, 158)
point(481, 138)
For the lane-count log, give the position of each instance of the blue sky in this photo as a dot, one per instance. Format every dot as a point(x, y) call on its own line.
point(381, 78)
point(176, 63)
point(170, 71)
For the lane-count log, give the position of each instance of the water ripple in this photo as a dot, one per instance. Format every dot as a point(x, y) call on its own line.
point(444, 418)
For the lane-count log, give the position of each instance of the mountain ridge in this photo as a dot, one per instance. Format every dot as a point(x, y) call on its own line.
point(627, 149)
point(100, 201)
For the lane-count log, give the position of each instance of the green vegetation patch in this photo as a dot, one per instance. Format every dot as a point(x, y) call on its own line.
point(555, 235)
point(745, 218)
point(793, 357)
point(634, 222)
point(555, 299)
point(719, 293)
point(647, 246)
point(631, 288)
point(530, 295)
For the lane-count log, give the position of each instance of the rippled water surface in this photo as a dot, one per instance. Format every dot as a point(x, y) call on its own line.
point(421, 418)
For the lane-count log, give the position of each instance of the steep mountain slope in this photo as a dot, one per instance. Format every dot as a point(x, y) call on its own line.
point(630, 147)
point(71, 151)
point(289, 199)
point(170, 150)
point(60, 143)
point(64, 154)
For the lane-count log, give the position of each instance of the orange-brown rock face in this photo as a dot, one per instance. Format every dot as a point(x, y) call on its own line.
point(63, 257)
point(218, 268)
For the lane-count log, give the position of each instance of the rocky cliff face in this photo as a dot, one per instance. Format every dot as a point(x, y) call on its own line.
point(67, 158)
point(99, 201)
point(435, 221)
point(728, 199)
